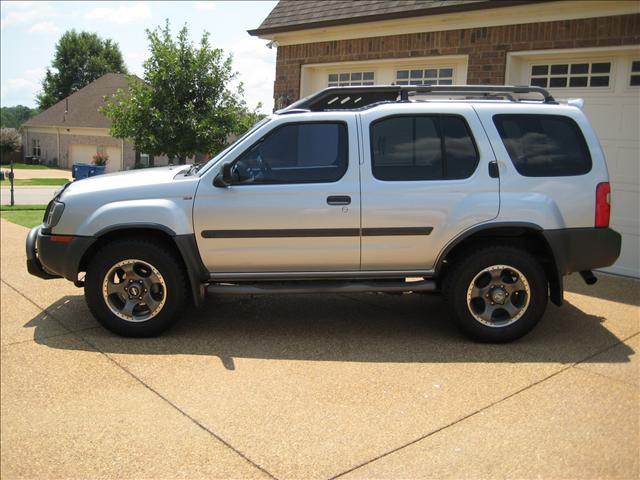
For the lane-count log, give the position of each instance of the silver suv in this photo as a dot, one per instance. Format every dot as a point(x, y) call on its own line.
point(489, 195)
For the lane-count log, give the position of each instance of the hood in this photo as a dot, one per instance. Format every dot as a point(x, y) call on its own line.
point(131, 179)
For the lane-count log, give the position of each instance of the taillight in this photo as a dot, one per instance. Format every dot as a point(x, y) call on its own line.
point(603, 204)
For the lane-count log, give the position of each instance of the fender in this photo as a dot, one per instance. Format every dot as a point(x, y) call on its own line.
point(514, 229)
point(185, 244)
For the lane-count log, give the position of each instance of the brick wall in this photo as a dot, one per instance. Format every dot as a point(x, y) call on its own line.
point(486, 47)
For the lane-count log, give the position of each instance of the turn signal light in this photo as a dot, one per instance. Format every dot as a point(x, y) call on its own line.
point(603, 204)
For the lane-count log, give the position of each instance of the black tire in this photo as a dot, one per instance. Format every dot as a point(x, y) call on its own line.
point(166, 263)
point(458, 281)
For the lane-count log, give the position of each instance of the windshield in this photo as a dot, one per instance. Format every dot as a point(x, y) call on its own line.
point(224, 152)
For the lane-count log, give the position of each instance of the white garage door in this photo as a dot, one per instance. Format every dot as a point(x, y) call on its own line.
point(81, 153)
point(84, 153)
point(115, 159)
point(609, 83)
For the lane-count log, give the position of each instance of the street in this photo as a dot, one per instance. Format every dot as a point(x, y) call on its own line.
point(27, 195)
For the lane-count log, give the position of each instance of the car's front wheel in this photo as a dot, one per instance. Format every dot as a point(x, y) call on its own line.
point(497, 293)
point(135, 287)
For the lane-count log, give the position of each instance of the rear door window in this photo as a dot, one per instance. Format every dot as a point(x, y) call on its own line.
point(544, 145)
point(422, 147)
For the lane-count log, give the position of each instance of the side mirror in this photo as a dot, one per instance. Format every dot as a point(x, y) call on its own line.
point(224, 178)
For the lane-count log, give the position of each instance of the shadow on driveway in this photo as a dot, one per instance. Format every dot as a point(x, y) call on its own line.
point(345, 328)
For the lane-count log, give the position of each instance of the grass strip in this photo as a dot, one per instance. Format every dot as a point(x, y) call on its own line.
point(24, 166)
point(15, 208)
point(30, 182)
point(26, 218)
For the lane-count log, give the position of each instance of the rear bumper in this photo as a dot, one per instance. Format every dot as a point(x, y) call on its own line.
point(48, 258)
point(578, 249)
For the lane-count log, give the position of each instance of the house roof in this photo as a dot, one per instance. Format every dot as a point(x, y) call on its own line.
point(80, 109)
point(292, 15)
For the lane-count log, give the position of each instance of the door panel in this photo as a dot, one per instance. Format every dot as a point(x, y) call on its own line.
point(426, 214)
point(282, 227)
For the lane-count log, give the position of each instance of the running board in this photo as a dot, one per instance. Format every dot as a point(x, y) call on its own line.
point(261, 288)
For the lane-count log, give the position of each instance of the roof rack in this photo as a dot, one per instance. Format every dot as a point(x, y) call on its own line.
point(349, 98)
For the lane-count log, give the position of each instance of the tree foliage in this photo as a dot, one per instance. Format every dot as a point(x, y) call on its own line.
point(184, 105)
point(10, 141)
point(13, 117)
point(79, 59)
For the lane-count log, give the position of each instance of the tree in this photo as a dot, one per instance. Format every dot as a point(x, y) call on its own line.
point(79, 59)
point(13, 117)
point(183, 106)
point(10, 141)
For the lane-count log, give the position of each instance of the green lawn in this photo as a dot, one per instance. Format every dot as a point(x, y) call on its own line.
point(9, 208)
point(28, 182)
point(24, 166)
point(26, 218)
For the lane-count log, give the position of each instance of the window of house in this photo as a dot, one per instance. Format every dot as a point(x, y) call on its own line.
point(571, 75)
point(350, 79)
point(544, 145)
point(297, 153)
point(425, 76)
point(425, 147)
point(35, 147)
point(634, 81)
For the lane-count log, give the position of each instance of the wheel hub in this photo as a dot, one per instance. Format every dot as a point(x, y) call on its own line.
point(134, 290)
point(499, 295)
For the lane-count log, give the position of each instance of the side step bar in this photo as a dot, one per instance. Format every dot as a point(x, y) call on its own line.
point(261, 288)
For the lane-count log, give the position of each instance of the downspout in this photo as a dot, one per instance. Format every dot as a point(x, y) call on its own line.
point(58, 139)
point(122, 155)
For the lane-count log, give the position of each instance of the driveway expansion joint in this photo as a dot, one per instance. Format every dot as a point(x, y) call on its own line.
point(486, 407)
point(139, 380)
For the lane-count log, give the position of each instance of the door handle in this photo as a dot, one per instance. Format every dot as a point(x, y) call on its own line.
point(339, 200)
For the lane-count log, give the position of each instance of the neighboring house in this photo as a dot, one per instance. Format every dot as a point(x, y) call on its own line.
point(587, 49)
point(73, 131)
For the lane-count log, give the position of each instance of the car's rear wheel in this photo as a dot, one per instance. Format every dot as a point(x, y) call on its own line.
point(497, 293)
point(135, 288)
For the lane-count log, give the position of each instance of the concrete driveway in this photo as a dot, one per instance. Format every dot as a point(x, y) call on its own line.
point(353, 386)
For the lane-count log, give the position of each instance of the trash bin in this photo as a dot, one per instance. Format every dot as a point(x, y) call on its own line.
point(96, 170)
point(84, 170)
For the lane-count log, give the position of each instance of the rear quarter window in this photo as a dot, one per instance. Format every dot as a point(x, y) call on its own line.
point(544, 145)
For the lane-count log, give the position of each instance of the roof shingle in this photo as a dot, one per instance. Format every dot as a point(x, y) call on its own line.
point(291, 15)
point(80, 109)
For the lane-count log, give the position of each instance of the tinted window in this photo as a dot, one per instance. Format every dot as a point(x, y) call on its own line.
point(544, 145)
point(296, 153)
point(427, 147)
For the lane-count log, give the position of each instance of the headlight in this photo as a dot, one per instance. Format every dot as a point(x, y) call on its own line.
point(53, 213)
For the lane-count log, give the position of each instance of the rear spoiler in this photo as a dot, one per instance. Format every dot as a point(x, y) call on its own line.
point(572, 102)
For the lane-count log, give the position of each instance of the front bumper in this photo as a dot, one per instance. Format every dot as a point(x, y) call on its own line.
point(48, 257)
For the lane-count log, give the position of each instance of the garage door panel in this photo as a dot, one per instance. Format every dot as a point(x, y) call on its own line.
point(630, 119)
point(81, 153)
point(115, 159)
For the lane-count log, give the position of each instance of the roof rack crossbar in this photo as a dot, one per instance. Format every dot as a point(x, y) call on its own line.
point(477, 89)
point(357, 97)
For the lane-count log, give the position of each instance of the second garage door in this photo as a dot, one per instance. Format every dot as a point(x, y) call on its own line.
point(609, 83)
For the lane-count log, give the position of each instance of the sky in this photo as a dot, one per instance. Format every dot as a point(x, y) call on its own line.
point(30, 30)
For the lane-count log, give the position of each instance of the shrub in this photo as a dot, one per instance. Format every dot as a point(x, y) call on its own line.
point(100, 159)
